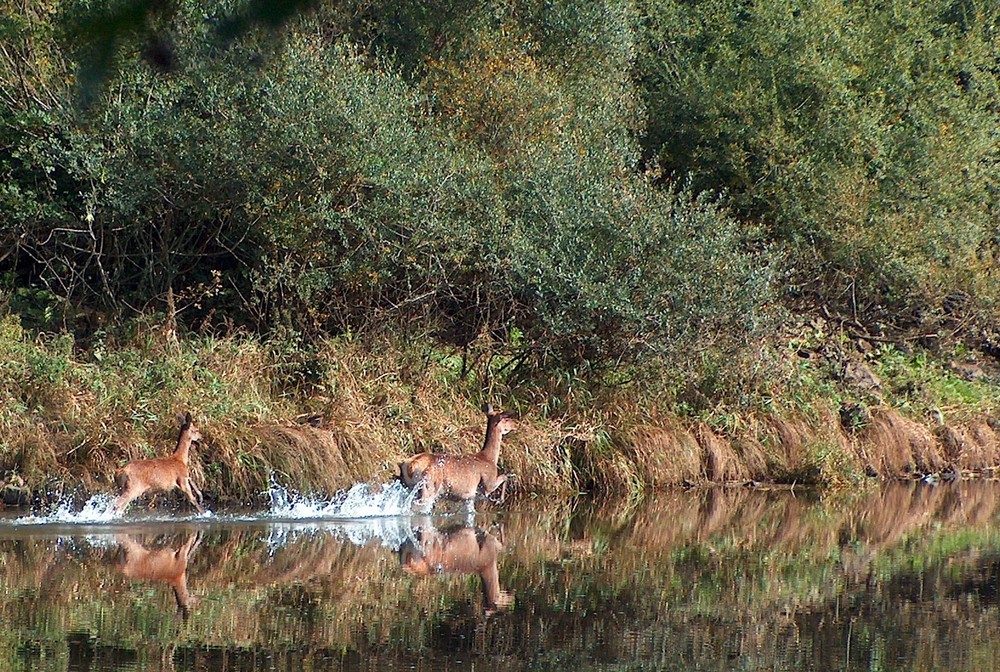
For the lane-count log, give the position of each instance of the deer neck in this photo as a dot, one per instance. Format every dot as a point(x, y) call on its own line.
point(179, 584)
point(183, 449)
point(491, 445)
point(490, 577)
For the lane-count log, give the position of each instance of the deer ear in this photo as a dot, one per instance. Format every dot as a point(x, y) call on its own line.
point(180, 420)
point(187, 419)
point(488, 409)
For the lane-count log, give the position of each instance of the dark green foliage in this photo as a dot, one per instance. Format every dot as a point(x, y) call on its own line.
point(864, 134)
point(331, 177)
point(507, 168)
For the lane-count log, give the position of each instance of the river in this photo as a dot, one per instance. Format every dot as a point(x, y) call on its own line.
point(897, 576)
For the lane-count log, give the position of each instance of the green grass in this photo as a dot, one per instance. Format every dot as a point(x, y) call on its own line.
point(75, 414)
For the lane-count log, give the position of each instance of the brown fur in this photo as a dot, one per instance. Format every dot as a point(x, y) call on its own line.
point(412, 470)
point(166, 565)
point(461, 550)
point(461, 477)
point(161, 473)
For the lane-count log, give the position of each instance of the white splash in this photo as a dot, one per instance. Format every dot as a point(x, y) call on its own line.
point(365, 511)
point(361, 514)
point(360, 501)
point(97, 509)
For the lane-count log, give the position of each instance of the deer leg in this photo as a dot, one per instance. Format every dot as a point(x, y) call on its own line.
point(426, 502)
point(185, 485)
point(129, 492)
point(197, 492)
point(122, 501)
point(500, 482)
point(428, 494)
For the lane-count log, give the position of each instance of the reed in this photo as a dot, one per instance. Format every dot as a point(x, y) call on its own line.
point(323, 416)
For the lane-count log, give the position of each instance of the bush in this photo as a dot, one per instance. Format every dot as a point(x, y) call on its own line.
point(306, 183)
point(865, 135)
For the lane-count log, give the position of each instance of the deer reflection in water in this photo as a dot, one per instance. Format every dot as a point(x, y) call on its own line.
point(164, 564)
point(458, 550)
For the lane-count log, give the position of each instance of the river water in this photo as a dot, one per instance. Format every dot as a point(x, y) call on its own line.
point(901, 576)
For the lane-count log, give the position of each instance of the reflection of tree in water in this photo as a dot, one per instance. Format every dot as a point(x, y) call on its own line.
point(771, 579)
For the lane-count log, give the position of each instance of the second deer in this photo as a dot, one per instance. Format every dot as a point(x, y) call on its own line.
point(461, 477)
point(161, 473)
point(458, 550)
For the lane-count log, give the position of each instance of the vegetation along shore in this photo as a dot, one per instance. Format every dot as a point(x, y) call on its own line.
point(683, 242)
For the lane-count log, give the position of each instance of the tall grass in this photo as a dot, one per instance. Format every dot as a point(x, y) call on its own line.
point(322, 415)
point(315, 417)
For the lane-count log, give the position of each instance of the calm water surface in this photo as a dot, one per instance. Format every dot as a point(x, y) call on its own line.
point(897, 577)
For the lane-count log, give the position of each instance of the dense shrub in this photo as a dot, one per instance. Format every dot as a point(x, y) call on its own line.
point(864, 134)
point(312, 180)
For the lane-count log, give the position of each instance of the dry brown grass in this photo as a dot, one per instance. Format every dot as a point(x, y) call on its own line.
point(786, 440)
point(667, 454)
point(894, 445)
point(721, 461)
point(787, 448)
point(69, 420)
point(971, 446)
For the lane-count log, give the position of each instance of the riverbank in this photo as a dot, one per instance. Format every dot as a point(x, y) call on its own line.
point(324, 416)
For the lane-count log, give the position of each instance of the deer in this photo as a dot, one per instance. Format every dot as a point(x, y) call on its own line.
point(161, 473)
point(458, 550)
point(167, 565)
point(461, 477)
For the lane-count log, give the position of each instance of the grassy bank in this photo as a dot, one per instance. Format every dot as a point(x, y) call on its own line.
point(687, 242)
point(323, 416)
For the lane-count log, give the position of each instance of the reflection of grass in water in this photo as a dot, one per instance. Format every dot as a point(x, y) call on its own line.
point(274, 604)
point(951, 552)
point(737, 560)
point(698, 562)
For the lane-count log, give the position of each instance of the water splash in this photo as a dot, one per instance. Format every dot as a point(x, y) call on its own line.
point(361, 514)
point(360, 501)
point(98, 509)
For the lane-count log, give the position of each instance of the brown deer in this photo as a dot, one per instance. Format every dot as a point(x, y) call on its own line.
point(461, 477)
point(161, 473)
point(458, 550)
point(164, 565)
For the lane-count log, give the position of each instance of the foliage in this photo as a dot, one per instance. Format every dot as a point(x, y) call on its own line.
point(322, 182)
point(925, 385)
point(552, 198)
point(863, 134)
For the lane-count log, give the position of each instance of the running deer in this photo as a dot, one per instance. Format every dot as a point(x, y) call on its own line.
point(461, 477)
point(161, 473)
point(163, 565)
point(458, 550)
